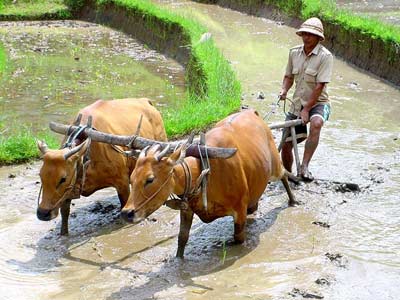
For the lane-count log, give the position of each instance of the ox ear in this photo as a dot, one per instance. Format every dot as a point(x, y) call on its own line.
point(178, 155)
point(174, 157)
point(42, 146)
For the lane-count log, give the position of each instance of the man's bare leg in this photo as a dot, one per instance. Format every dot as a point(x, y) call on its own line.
point(316, 124)
point(287, 155)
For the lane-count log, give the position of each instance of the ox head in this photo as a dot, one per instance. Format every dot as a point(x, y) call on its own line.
point(152, 181)
point(58, 175)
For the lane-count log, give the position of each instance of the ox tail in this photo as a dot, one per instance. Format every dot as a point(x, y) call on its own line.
point(290, 176)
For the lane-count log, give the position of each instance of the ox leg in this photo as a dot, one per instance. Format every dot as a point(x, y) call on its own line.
point(292, 199)
point(65, 208)
point(240, 223)
point(186, 224)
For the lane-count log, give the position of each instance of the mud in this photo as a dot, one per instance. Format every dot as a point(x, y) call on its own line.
point(289, 252)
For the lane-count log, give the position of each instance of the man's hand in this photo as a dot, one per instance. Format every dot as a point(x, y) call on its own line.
point(305, 115)
point(282, 95)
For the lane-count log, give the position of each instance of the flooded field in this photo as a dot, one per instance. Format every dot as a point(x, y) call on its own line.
point(387, 10)
point(55, 68)
point(336, 245)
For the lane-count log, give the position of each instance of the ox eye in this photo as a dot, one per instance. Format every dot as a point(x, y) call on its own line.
point(62, 180)
point(149, 180)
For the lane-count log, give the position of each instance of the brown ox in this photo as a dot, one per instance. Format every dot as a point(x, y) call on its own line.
point(235, 184)
point(62, 174)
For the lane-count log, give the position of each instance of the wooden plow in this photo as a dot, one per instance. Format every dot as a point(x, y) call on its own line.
point(289, 129)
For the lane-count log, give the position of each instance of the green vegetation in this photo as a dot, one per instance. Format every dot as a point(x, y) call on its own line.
point(74, 71)
point(2, 60)
point(327, 11)
point(34, 10)
point(213, 90)
point(21, 147)
point(222, 95)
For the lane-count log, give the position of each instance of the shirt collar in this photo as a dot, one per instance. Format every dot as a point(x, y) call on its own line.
point(315, 50)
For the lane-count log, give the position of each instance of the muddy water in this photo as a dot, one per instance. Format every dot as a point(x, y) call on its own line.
point(339, 245)
point(56, 68)
point(387, 10)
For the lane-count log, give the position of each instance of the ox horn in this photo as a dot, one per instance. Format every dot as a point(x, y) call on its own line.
point(161, 154)
point(143, 152)
point(183, 150)
point(76, 149)
point(42, 146)
point(138, 142)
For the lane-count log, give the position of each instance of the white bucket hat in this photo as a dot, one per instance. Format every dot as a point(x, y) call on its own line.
point(314, 26)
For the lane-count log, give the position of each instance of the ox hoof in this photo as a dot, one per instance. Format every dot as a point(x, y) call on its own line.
point(64, 233)
point(239, 238)
point(253, 209)
point(293, 203)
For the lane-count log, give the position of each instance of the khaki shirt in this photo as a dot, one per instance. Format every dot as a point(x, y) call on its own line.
point(307, 72)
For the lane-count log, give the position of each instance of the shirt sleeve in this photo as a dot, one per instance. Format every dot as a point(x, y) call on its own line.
point(325, 70)
point(289, 66)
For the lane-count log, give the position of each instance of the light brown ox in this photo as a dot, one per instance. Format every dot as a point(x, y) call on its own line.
point(61, 172)
point(235, 184)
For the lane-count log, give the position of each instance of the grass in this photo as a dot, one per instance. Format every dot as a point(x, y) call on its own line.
point(34, 9)
point(223, 96)
point(2, 60)
point(21, 147)
point(328, 11)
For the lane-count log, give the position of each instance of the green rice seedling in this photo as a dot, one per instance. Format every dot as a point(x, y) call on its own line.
point(223, 255)
point(21, 147)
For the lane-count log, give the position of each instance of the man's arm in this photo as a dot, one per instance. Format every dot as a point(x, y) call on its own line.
point(286, 85)
point(305, 112)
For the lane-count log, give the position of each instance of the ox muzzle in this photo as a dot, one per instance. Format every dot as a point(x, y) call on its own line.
point(46, 214)
point(128, 215)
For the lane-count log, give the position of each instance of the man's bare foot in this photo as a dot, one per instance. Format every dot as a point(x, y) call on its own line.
point(306, 175)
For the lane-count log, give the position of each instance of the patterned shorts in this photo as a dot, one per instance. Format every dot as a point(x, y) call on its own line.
point(320, 111)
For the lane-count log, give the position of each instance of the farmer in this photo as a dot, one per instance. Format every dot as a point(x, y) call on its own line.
point(310, 66)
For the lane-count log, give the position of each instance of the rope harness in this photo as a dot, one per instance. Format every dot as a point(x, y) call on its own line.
point(200, 186)
point(80, 166)
point(149, 198)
